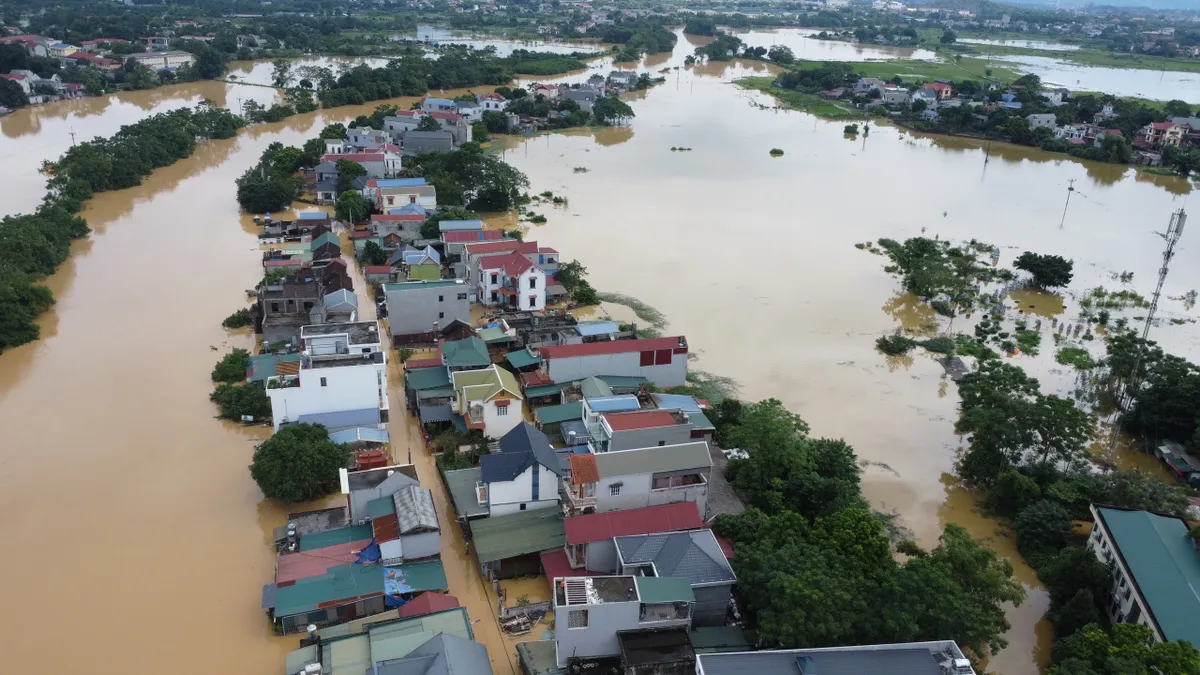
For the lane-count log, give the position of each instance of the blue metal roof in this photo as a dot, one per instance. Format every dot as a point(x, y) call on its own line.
point(680, 401)
point(440, 101)
point(399, 182)
point(460, 225)
point(408, 208)
point(597, 328)
point(343, 419)
point(613, 403)
point(360, 434)
point(313, 215)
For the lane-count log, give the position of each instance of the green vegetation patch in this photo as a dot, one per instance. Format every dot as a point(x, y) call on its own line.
point(809, 103)
point(1076, 357)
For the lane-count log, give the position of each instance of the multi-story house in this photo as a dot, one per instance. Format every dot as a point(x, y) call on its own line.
point(590, 538)
point(493, 102)
point(341, 381)
point(631, 479)
point(512, 281)
point(598, 617)
point(630, 428)
point(168, 60)
point(662, 361)
point(382, 162)
point(394, 193)
point(524, 475)
point(696, 556)
point(283, 309)
point(405, 121)
point(489, 400)
point(1162, 134)
point(941, 657)
point(422, 308)
point(1156, 571)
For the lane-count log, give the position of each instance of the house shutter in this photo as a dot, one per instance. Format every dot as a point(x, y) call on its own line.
point(647, 358)
point(662, 357)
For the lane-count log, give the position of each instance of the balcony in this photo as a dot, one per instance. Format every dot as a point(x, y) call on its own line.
point(577, 502)
point(474, 417)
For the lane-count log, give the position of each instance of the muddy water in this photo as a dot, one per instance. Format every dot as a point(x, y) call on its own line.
point(1143, 83)
point(805, 46)
point(115, 474)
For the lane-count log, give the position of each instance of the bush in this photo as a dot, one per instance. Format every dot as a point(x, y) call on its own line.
point(775, 152)
point(895, 344)
point(239, 319)
point(939, 345)
point(1042, 528)
point(235, 401)
point(232, 368)
point(1077, 357)
point(298, 464)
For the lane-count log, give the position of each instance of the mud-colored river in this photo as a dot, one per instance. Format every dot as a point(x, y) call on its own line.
point(131, 526)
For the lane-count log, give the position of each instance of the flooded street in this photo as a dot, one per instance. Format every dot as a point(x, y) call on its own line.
point(111, 446)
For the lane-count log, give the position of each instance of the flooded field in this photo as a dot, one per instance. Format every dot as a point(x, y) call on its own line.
point(805, 46)
point(1161, 85)
point(108, 426)
point(1023, 44)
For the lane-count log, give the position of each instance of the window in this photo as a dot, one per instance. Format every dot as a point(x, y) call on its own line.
point(662, 357)
point(391, 200)
point(577, 618)
point(502, 410)
point(533, 282)
point(495, 278)
point(441, 315)
point(274, 306)
point(441, 298)
point(522, 507)
point(533, 301)
point(308, 306)
point(614, 489)
point(647, 359)
point(324, 382)
point(412, 199)
point(462, 296)
point(495, 296)
point(661, 443)
point(550, 260)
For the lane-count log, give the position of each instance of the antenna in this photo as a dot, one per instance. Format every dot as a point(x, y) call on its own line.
point(1128, 392)
point(1070, 189)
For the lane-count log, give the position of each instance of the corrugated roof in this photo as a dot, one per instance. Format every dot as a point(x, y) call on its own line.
point(335, 587)
point(343, 419)
point(682, 402)
point(602, 404)
point(459, 225)
point(583, 469)
point(462, 491)
point(441, 654)
point(420, 285)
point(639, 419)
point(491, 335)
point(314, 562)
point(415, 510)
point(427, 378)
point(522, 359)
point(543, 390)
point(428, 603)
point(873, 660)
point(483, 384)
point(353, 434)
point(613, 347)
point(632, 382)
point(695, 555)
point(664, 589)
point(590, 328)
point(663, 518)
point(677, 457)
point(467, 352)
point(502, 537)
point(719, 639)
point(555, 414)
point(1164, 565)
point(341, 535)
point(464, 236)
point(594, 387)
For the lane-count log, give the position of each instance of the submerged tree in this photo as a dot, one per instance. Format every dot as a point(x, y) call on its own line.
point(1048, 270)
point(299, 463)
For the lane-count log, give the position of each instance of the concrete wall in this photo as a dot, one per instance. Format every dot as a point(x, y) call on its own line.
point(712, 602)
point(357, 500)
point(599, 638)
point(423, 545)
point(346, 388)
point(601, 556)
point(635, 439)
point(672, 374)
point(496, 425)
point(636, 493)
point(415, 310)
point(1124, 596)
point(507, 497)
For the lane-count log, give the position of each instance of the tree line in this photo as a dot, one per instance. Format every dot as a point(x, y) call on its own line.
point(33, 245)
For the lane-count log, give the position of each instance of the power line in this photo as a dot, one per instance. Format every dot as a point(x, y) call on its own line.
point(1128, 391)
point(1070, 189)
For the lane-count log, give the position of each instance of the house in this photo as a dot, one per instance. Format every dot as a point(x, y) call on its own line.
point(383, 643)
point(1106, 113)
point(35, 45)
point(377, 274)
point(1160, 134)
point(586, 97)
point(406, 226)
point(1054, 97)
point(895, 96)
point(429, 602)
point(394, 193)
point(623, 616)
point(490, 400)
point(866, 85)
point(163, 60)
point(363, 487)
point(382, 162)
point(1042, 121)
point(942, 90)
point(405, 525)
point(629, 427)
point(1179, 461)
point(1156, 571)
point(694, 556)
point(510, 280)
point(430, 104)
point(366, 138)
point(662, 361)
point(416, 309)
point(472, 252)
point(549, 91)
point(589, 543)
point(419, 142)
point(511, 546)
point(622, 80)
point(340, 306)
point(524, 475)
point(941, 657)
point(634, 479)
point(926, 96)
point(456, 240)
point(470, 110)
point(404, 121)
point(263, 366)
point(283, 308)
point(497, 103)
point(342, 380)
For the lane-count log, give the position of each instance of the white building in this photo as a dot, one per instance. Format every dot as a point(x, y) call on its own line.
point(662, 361)
point(164, 60)
point(493, 102)
point(524, 475)
point(342, 381)
point(634, 479)
point(511, 280)
point(488, 399)
point(1042, 121)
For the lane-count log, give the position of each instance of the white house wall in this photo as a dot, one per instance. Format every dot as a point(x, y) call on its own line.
point(346, 388)
point(571, 368)
point(508, 496)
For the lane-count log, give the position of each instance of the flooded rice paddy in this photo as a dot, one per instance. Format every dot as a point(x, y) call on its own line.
point(131, 523)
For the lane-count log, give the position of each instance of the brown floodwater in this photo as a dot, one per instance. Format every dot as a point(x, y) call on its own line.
point(750, 256)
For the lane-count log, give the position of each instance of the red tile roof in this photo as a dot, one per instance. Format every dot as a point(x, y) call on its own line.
point(649, 520)
point(937, 86)
point(477, 235)
point(303, 564)
point(428, 602)
point(613, 347)
point(15, 78)
point(377, 269)
point(583, 469)
point(389, 218)
point(639, 419)
point(413, 364)
point(535, 378)
point(513, 264)
point(1163, 126)
point(362, 234)
point(493, 246)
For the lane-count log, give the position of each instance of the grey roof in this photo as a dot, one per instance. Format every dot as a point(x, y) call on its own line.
point(355, 434)
point(414, 510)
point(519, 450)
point(462, 491)
point(369, 479)
point(341, 297)
point(695, 556)
point(326, 167)
point(918, 658)
point(443, 654)
point(333, 421)
point(676, 457)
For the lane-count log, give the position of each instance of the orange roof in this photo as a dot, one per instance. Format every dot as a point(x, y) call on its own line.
point(639, 419)
point(583, 469)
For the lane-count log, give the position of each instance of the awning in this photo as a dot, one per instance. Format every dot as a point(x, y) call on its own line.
point(543, 390)
point(435, 413)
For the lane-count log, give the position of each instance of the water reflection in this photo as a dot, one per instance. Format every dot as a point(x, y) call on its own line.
point(805, 46)
point(1162, 85)
point(1023, 44)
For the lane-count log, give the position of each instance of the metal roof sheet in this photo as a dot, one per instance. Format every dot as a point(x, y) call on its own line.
point(591, 328)
point(353, 434)
point(554, 414)
point(594, 387)
point(502, 537)
point(459, 225)
point(462, 491)
point(664, 589)
point(695, 555)
point(522, 359)
point(623, 402)
point(418, 379)
point(415, 510)
point(677, 401)
point(466, 352)
point(543, 390)
point(613, 347)
point(677, 457)
point(663, 518)
point(341, 535)
point(869, 660)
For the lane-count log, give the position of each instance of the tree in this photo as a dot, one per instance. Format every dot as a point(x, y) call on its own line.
point(239, 319)
point(1047, 270)
point(1044, 527)
point(610, 110)
point(352, 207)
point(239, 401)
point(232, 367)
point(281, 73)
point(260, 191)
point(139, 76)
point(1011, 493)
point(209, 63)
point(430, 229)
point(1168, 401)
point(11, 94)
point(948, 37)
point(429, 123)
point(1130, 649)
point(573, 276)
point(347, 171)
point(470, 177)
point(1177, 108)
point(781, 55)
point(298, 464)
point(700, 25)
point(373, 254)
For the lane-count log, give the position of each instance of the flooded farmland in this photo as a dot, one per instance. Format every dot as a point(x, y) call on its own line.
point(111, 445)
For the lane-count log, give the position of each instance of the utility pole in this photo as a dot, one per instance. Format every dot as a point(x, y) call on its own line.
point(1128, 391)
point(72, 132)
point(1070, 189)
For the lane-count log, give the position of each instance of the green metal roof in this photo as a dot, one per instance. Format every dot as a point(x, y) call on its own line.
point(361, 244)
point(493, 335)
point(424, 272)
point(418, 285)
point(440, 392)
point(338, 583)
point(1165, 566)
point(327, 238)
point(522, 359)
point(624, 381)
point(419, 379)
point(378, 508)
point(699, 421)
point(353, 648)
point(557, 414)
point(538, 657)
point(341, 535)
point(262, 366)
point(519, 533)
point(462, 491)
point(711, 639)
point(543, 390)
point(664, 589)
point(593, 387)
point(467, 352)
